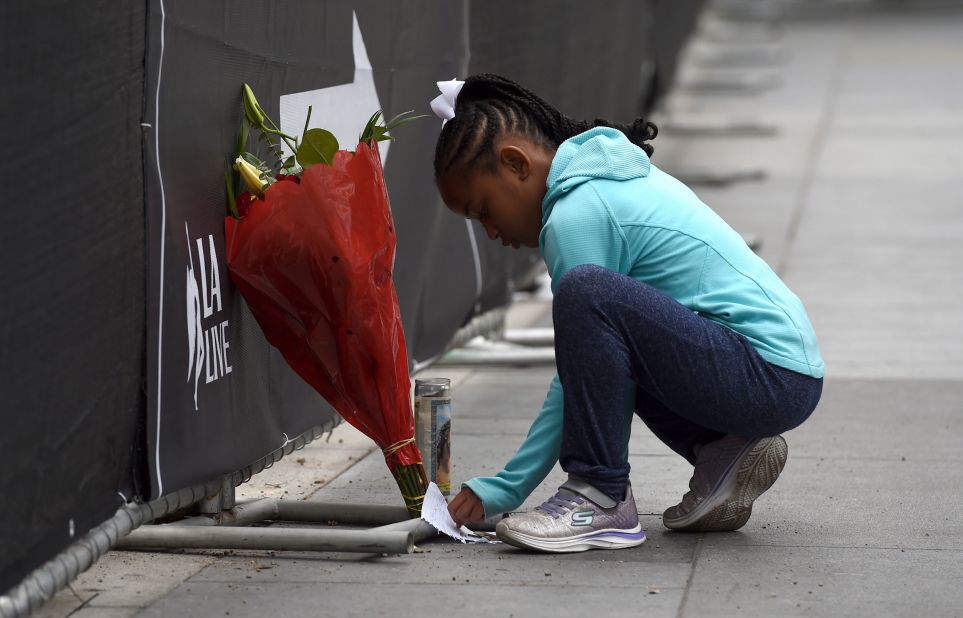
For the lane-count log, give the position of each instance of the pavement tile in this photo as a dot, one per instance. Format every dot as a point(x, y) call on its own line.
point(64, 603)
point(106, 612)
point(887, 420)
point(370, 599)
point(820, 581)
point(127, 578)
point(660, 562)
point(861, 503)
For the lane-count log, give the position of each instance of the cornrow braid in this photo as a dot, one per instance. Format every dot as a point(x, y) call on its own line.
point(489, 105)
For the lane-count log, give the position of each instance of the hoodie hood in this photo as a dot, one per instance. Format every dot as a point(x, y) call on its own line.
point(601, 152)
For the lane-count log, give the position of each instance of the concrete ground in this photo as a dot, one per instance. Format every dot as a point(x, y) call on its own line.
point(859, 137)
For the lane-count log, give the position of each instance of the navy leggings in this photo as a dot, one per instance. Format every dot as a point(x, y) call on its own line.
point(622, 345)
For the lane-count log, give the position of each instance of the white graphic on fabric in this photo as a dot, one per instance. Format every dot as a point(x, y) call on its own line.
point(352, 104)
point(207, 349)
point(194, 329)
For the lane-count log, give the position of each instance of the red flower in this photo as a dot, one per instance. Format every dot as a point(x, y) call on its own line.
point(243, 203)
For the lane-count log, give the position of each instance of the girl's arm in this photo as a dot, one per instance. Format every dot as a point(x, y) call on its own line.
point(531, 464)
point(581, 230)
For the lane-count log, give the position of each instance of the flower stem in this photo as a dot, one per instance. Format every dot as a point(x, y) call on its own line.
point(411, 482)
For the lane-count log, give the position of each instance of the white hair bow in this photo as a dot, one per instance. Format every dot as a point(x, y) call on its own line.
point(444, 104)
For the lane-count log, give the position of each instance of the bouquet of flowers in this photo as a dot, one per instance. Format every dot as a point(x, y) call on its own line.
point(311, 248)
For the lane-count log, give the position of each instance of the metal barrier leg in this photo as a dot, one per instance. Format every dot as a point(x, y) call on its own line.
point(393, 533)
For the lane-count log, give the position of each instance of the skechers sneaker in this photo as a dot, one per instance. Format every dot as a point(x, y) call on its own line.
point(577, 518)
point(729, 475)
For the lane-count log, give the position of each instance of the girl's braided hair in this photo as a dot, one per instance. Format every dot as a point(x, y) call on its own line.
point(490, 104)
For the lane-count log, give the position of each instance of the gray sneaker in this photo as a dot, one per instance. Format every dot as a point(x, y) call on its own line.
point(729, 475)
point(577, 518)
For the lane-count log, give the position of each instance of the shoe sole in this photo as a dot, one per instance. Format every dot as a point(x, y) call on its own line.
point(729, 506)
point(599, 539)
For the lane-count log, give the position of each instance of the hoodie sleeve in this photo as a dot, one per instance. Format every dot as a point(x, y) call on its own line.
point(583, 230)
point(536, 457)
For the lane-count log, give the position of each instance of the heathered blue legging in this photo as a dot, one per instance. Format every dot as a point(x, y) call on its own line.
point(692, 380)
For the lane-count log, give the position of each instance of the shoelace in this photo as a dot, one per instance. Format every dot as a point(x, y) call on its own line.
point(559, 504)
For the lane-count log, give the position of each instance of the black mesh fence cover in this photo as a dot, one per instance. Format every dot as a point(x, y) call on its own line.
point(72, 276)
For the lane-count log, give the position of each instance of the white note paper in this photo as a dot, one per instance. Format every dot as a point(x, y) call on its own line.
point(435, 512)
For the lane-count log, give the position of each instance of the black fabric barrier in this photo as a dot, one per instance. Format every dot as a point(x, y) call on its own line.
point(72, 274)
point(123, 130)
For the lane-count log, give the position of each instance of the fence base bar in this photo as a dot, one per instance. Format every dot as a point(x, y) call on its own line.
point(243, 514)
point(349, 514)
point(419, 529)
point(530, 336)
point(292, 539)
point(524, 356)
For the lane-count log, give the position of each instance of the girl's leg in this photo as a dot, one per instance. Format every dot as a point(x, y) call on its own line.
point(679, 434)
point(612, 331)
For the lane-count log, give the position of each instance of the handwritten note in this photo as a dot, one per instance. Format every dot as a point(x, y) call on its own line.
point(435, 512)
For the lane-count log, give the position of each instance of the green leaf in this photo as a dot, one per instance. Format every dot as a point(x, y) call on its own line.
point(290, 167)
point(368, 132)
point(242, 135)
point(253, 160)
point(231, 201)
point(307, 119)
point(261, 166)
point(400, 119)
point(318, 146)
point(379, 132)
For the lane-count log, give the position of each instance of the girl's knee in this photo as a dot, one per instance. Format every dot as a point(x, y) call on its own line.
point(576, 293)
point(582, 282)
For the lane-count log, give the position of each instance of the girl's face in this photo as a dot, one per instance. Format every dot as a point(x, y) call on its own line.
point(508, 201)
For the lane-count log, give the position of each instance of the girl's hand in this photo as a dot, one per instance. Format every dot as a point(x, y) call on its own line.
point(466, 508)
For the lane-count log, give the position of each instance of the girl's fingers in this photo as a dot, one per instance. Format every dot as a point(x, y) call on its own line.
point(456, 502)
point(471, 511)
point(477, 512)
point(466, 507)
point(456, 506)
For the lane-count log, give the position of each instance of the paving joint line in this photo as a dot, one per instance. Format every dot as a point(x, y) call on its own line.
point(872, 547)
point(696, 554)
point(816, 145)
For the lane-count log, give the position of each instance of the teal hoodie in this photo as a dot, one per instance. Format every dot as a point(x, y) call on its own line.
point(608, 205)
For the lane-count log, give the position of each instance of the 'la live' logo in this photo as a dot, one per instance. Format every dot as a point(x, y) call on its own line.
point(206, 343)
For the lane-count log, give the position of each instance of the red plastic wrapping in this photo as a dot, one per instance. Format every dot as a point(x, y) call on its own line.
point(314, 262)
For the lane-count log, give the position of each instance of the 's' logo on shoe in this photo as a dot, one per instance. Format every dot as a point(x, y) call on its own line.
point(583, 518)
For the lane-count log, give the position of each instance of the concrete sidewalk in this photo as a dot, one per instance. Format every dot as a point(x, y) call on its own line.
point(861, 211)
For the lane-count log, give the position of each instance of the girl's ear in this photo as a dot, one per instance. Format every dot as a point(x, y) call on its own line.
point(516, 160)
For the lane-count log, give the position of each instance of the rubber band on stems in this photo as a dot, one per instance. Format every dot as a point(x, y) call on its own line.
point(397, 446)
